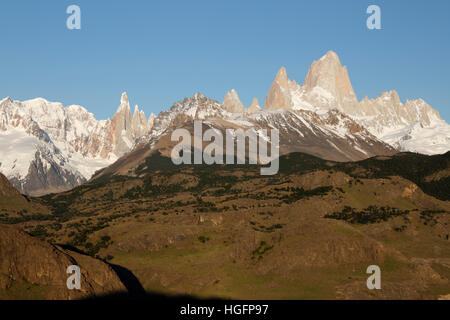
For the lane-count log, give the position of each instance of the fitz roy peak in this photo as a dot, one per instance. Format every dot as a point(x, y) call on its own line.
point(46, 147)
point(411, 126)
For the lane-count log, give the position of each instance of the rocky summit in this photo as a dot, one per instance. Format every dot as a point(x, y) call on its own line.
point(279, 96)
point(232, 103)
point(254, 107)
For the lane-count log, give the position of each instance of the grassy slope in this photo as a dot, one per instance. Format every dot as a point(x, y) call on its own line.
point(265, 238)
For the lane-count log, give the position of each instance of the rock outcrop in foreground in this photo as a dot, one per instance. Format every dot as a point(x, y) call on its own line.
point(41, 267)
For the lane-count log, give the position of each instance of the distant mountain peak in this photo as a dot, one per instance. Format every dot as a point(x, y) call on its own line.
point(254, 107)
point(198, 96)
point(392, 95)
point(279, 96)
point(281, 77)
point(7, 99)
point(124, 98)
point(331, 56)
point(328, 85)
point(232, 103)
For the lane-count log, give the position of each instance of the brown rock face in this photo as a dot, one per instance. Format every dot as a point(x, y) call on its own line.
point(254, 107)
point(328, 75)
point(125, 129)
point(121, 125)
point(140, 123)
point(25, 260)
point(279, 96)
point(232, 103)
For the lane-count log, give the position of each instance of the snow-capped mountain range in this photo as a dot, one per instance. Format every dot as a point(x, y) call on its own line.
point(327, 134)
point(411, 126)
point(46, 147)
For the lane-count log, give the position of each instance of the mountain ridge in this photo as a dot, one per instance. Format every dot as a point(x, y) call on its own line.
point(327, 85)
point(61, 147)
point(330, 135)
point(47, 146)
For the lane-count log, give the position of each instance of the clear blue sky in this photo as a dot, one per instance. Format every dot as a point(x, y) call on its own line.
point(162, 51)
